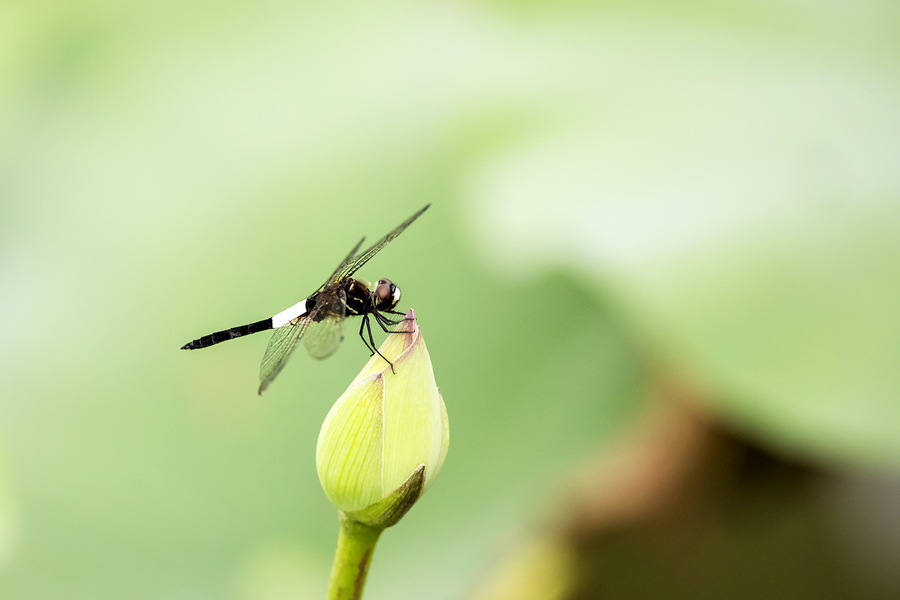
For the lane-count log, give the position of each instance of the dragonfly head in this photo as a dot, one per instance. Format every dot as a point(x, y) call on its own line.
point(387, 295)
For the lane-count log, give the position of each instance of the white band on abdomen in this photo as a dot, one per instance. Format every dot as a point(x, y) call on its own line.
point(288, 315)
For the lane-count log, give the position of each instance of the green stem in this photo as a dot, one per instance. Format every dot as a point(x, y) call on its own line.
point(356, 543)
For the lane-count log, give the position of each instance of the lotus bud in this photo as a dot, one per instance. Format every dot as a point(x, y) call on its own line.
point(385, 439)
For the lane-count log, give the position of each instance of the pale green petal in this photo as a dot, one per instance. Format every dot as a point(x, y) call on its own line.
point(349, 452)
point(413, 430)
point(445, 442)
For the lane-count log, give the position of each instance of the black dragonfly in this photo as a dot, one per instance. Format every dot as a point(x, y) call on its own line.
point(319, 320)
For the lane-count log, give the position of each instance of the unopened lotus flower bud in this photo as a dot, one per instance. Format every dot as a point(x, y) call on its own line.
point(385, 439)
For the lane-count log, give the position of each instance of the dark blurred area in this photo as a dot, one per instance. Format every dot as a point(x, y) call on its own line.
point(659, 282)
point(685, 507)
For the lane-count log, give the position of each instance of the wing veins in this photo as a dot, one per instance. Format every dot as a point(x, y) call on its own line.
point(348, 268)
point(336, 275)
point(281, 345)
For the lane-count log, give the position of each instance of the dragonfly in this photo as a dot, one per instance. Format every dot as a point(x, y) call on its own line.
point(319, 319)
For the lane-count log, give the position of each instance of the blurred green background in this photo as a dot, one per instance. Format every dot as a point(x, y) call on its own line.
point(623, 193)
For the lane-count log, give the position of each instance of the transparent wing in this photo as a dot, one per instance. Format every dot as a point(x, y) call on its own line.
point(326, 334)
point(336, 276)
point(279, 350)
point(322, 339)
point(349, 267)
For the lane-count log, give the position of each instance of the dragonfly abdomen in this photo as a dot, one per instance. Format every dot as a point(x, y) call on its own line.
point(228, 334)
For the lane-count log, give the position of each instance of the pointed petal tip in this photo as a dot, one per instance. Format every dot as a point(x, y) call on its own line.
point(409, 323)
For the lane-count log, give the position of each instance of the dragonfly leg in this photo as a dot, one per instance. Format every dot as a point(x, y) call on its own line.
point(384, 321)
point(362, 325)
point(372, 340)
point(398, 321)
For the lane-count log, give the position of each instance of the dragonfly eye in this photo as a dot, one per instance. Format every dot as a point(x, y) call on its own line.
point(386, 295)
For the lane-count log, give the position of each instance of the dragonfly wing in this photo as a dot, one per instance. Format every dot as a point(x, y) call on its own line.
point(341, 267)
point(349, 267)
point(325, 336)
point(322, 339)
point(279, 350)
